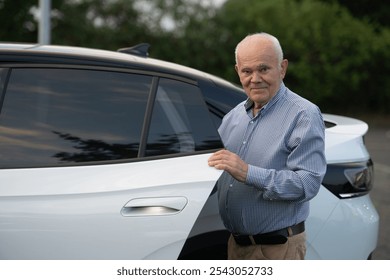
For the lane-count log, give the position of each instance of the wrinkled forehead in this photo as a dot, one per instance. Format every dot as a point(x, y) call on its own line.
point(256, 50)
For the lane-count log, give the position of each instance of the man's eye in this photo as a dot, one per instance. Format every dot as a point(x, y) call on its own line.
point(264, 69)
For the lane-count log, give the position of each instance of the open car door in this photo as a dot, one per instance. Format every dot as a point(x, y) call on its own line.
point(141, 210)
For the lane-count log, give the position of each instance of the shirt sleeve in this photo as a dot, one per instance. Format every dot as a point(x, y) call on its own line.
point(305, 167)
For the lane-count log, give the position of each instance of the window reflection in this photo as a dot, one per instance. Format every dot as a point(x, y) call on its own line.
point(180, 122)
point(52, 116)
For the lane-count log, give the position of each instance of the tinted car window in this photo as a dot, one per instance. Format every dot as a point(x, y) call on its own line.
point(180, 122)
point(221, 98)
point(56, 116)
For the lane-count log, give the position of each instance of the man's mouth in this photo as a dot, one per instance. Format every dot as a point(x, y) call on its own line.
point(256, 88)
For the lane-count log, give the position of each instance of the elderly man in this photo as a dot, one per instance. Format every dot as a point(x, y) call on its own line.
point(274, 159)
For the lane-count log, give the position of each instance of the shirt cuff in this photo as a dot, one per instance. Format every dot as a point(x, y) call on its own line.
point(256, 177)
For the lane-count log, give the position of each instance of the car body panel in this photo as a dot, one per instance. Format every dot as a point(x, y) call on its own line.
point(85, 212)
point(350, 231)
point(344, 141)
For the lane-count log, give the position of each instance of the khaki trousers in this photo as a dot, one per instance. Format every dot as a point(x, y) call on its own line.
point(293, 249)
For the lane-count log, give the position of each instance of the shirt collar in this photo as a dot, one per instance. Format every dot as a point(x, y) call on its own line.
point(249, 103)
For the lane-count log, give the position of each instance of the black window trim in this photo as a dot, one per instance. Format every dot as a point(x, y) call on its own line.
point(2, 93)
point(148, 117)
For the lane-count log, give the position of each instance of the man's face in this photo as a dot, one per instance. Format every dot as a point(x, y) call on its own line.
point(259, 71)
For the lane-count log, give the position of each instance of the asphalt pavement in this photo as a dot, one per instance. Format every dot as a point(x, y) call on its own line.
point(378, 144)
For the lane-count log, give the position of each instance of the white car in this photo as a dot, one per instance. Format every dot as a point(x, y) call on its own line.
point(103, 155)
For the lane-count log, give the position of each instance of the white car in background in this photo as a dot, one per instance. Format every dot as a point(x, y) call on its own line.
point(103, 155)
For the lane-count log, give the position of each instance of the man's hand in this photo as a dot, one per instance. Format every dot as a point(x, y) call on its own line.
point(230, 162)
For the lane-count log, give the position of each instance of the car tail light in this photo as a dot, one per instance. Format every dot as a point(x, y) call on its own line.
point(350, 179)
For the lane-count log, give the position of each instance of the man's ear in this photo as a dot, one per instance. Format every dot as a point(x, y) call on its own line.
point(236, 67)
point(283, 67)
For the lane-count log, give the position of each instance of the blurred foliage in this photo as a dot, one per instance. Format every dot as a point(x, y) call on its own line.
point(335, 60)
point(16, 21)
point(338, 50)
point(376, 12)
point(97, 23)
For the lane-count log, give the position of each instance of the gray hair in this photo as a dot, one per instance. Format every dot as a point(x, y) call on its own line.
point(273, 39)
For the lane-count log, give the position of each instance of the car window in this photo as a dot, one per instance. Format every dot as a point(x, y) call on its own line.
point(56, 116)
point(180, 121)
point(221, 98)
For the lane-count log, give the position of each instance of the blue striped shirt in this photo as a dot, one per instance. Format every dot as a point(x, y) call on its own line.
point(284, 148)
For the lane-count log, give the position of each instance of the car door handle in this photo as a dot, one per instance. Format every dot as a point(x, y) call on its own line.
point(154, 206)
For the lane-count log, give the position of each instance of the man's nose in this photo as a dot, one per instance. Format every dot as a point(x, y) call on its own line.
point(256, 77)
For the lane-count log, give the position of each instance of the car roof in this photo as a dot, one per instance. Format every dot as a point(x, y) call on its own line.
point(55, 54)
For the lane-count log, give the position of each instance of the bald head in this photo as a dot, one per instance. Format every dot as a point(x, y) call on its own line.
point(264, 40)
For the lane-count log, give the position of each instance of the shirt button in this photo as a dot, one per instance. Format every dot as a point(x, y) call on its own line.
point(244, 142)
point(231, 185)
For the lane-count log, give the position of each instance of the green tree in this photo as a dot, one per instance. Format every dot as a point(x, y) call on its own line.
point(334, 58)
point(97, 23)
point(17, 21)
point(373, 11)
point(88, 23)
point(188, 41)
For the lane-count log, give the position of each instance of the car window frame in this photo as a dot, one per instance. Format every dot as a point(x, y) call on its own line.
point(149, 114)
point(3, 84)
point(155, 75)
